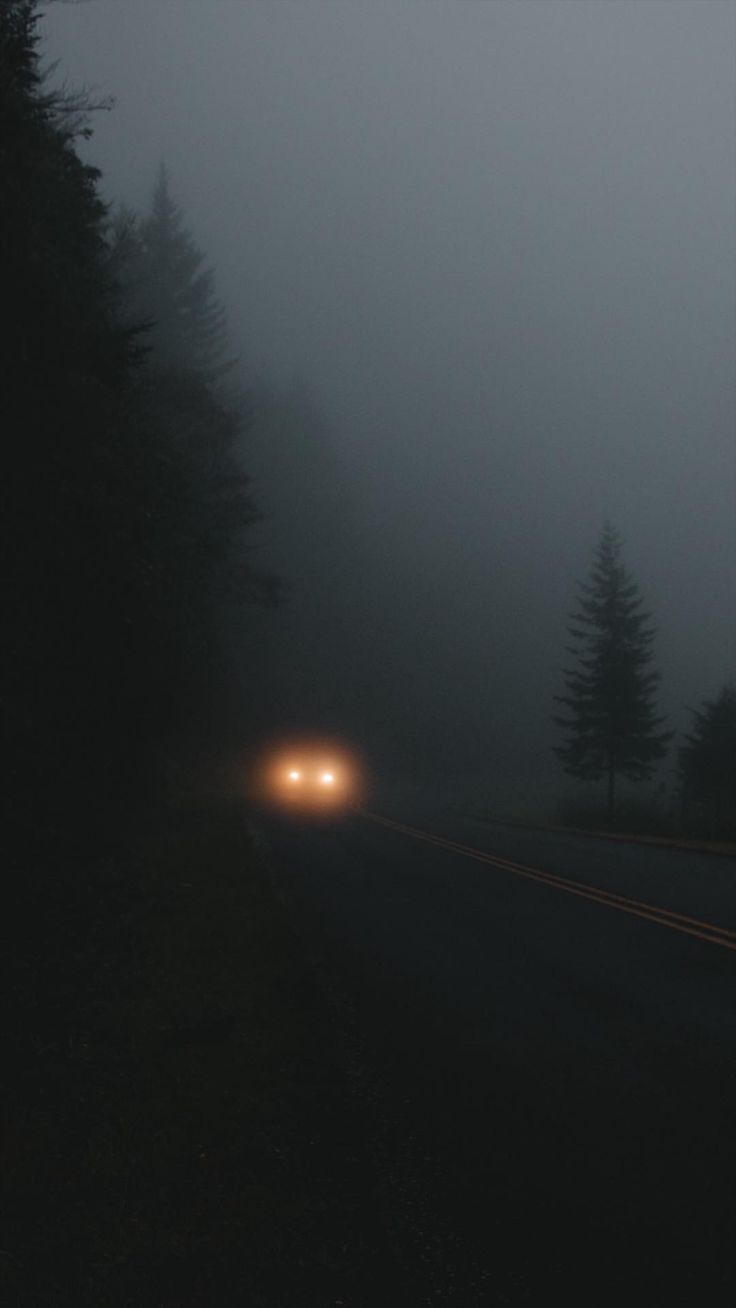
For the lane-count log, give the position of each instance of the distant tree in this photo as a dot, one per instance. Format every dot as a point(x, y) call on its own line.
point(170, 293)
point(611, 725)
point(170, 287)
point(707, 760)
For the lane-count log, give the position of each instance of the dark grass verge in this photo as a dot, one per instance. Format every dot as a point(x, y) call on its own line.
point(724, 848)
point(177, 1125)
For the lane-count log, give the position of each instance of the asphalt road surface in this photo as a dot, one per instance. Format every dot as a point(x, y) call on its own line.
point(548, 1025)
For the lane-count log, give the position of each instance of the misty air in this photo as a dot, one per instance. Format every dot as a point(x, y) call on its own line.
point(370, 652)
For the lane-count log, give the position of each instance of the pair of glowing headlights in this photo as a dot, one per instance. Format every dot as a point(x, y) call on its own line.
point(324, 778)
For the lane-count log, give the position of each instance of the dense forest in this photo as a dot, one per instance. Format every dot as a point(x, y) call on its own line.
point(133, 576)
point(126, 507)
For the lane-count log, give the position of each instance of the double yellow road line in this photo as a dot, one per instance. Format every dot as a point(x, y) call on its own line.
point(689, 926)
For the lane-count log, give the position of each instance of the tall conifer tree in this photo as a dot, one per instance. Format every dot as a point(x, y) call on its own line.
point(169, 290)
point(611, 725)
point(70, 544)
point(173, 289)
point(707, 760)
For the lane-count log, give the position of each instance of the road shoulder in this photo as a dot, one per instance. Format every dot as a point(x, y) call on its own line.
point(181, 1127)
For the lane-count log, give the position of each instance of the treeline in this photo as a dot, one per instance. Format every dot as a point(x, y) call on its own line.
point(125, 507)
point(609, 717)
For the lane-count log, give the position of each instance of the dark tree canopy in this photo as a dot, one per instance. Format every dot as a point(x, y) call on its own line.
point(57, 289)
point(707, 760)
point(170, 287)
point(123, 501)
point(168, 290)
point(610, 722)
point(71, 545)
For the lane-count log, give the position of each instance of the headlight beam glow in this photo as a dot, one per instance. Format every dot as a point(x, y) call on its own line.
point(310, 776)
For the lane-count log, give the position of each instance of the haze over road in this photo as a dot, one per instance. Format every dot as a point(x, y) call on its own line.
point(482, 256)
point(557, 1068)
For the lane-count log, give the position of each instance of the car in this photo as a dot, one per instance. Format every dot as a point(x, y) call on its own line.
point(312, 778)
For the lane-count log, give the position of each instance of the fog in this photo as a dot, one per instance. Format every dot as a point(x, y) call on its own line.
point(494, 244)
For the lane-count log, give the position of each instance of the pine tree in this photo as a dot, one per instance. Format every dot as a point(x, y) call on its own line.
point(173, 291)
point(58, 296)
point(169, 291)
point(69, 539)
point(611, 725)
point(105, 606)
point(707, 760)
point(122, 500)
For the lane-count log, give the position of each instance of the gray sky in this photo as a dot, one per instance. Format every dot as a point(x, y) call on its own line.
point(497, 239)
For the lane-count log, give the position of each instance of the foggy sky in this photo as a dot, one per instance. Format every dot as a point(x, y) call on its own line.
point(497, 241)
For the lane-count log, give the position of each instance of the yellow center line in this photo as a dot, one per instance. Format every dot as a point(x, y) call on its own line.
point(690, 926)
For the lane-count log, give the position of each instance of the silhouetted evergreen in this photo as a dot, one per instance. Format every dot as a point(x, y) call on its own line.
point(57, 291)
point(611, 725)
point(169, 287)
point(66, 361)
point(123, 505)
point(707, 764)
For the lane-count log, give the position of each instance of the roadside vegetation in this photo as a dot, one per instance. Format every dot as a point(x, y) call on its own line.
point(610, 719)
point(178, 1127)
point(182, 1129)
point(126, 507)
point(167, 1079)
point(613, 733)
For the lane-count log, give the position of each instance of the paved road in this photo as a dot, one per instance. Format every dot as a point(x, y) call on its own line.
point(555, 1044)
